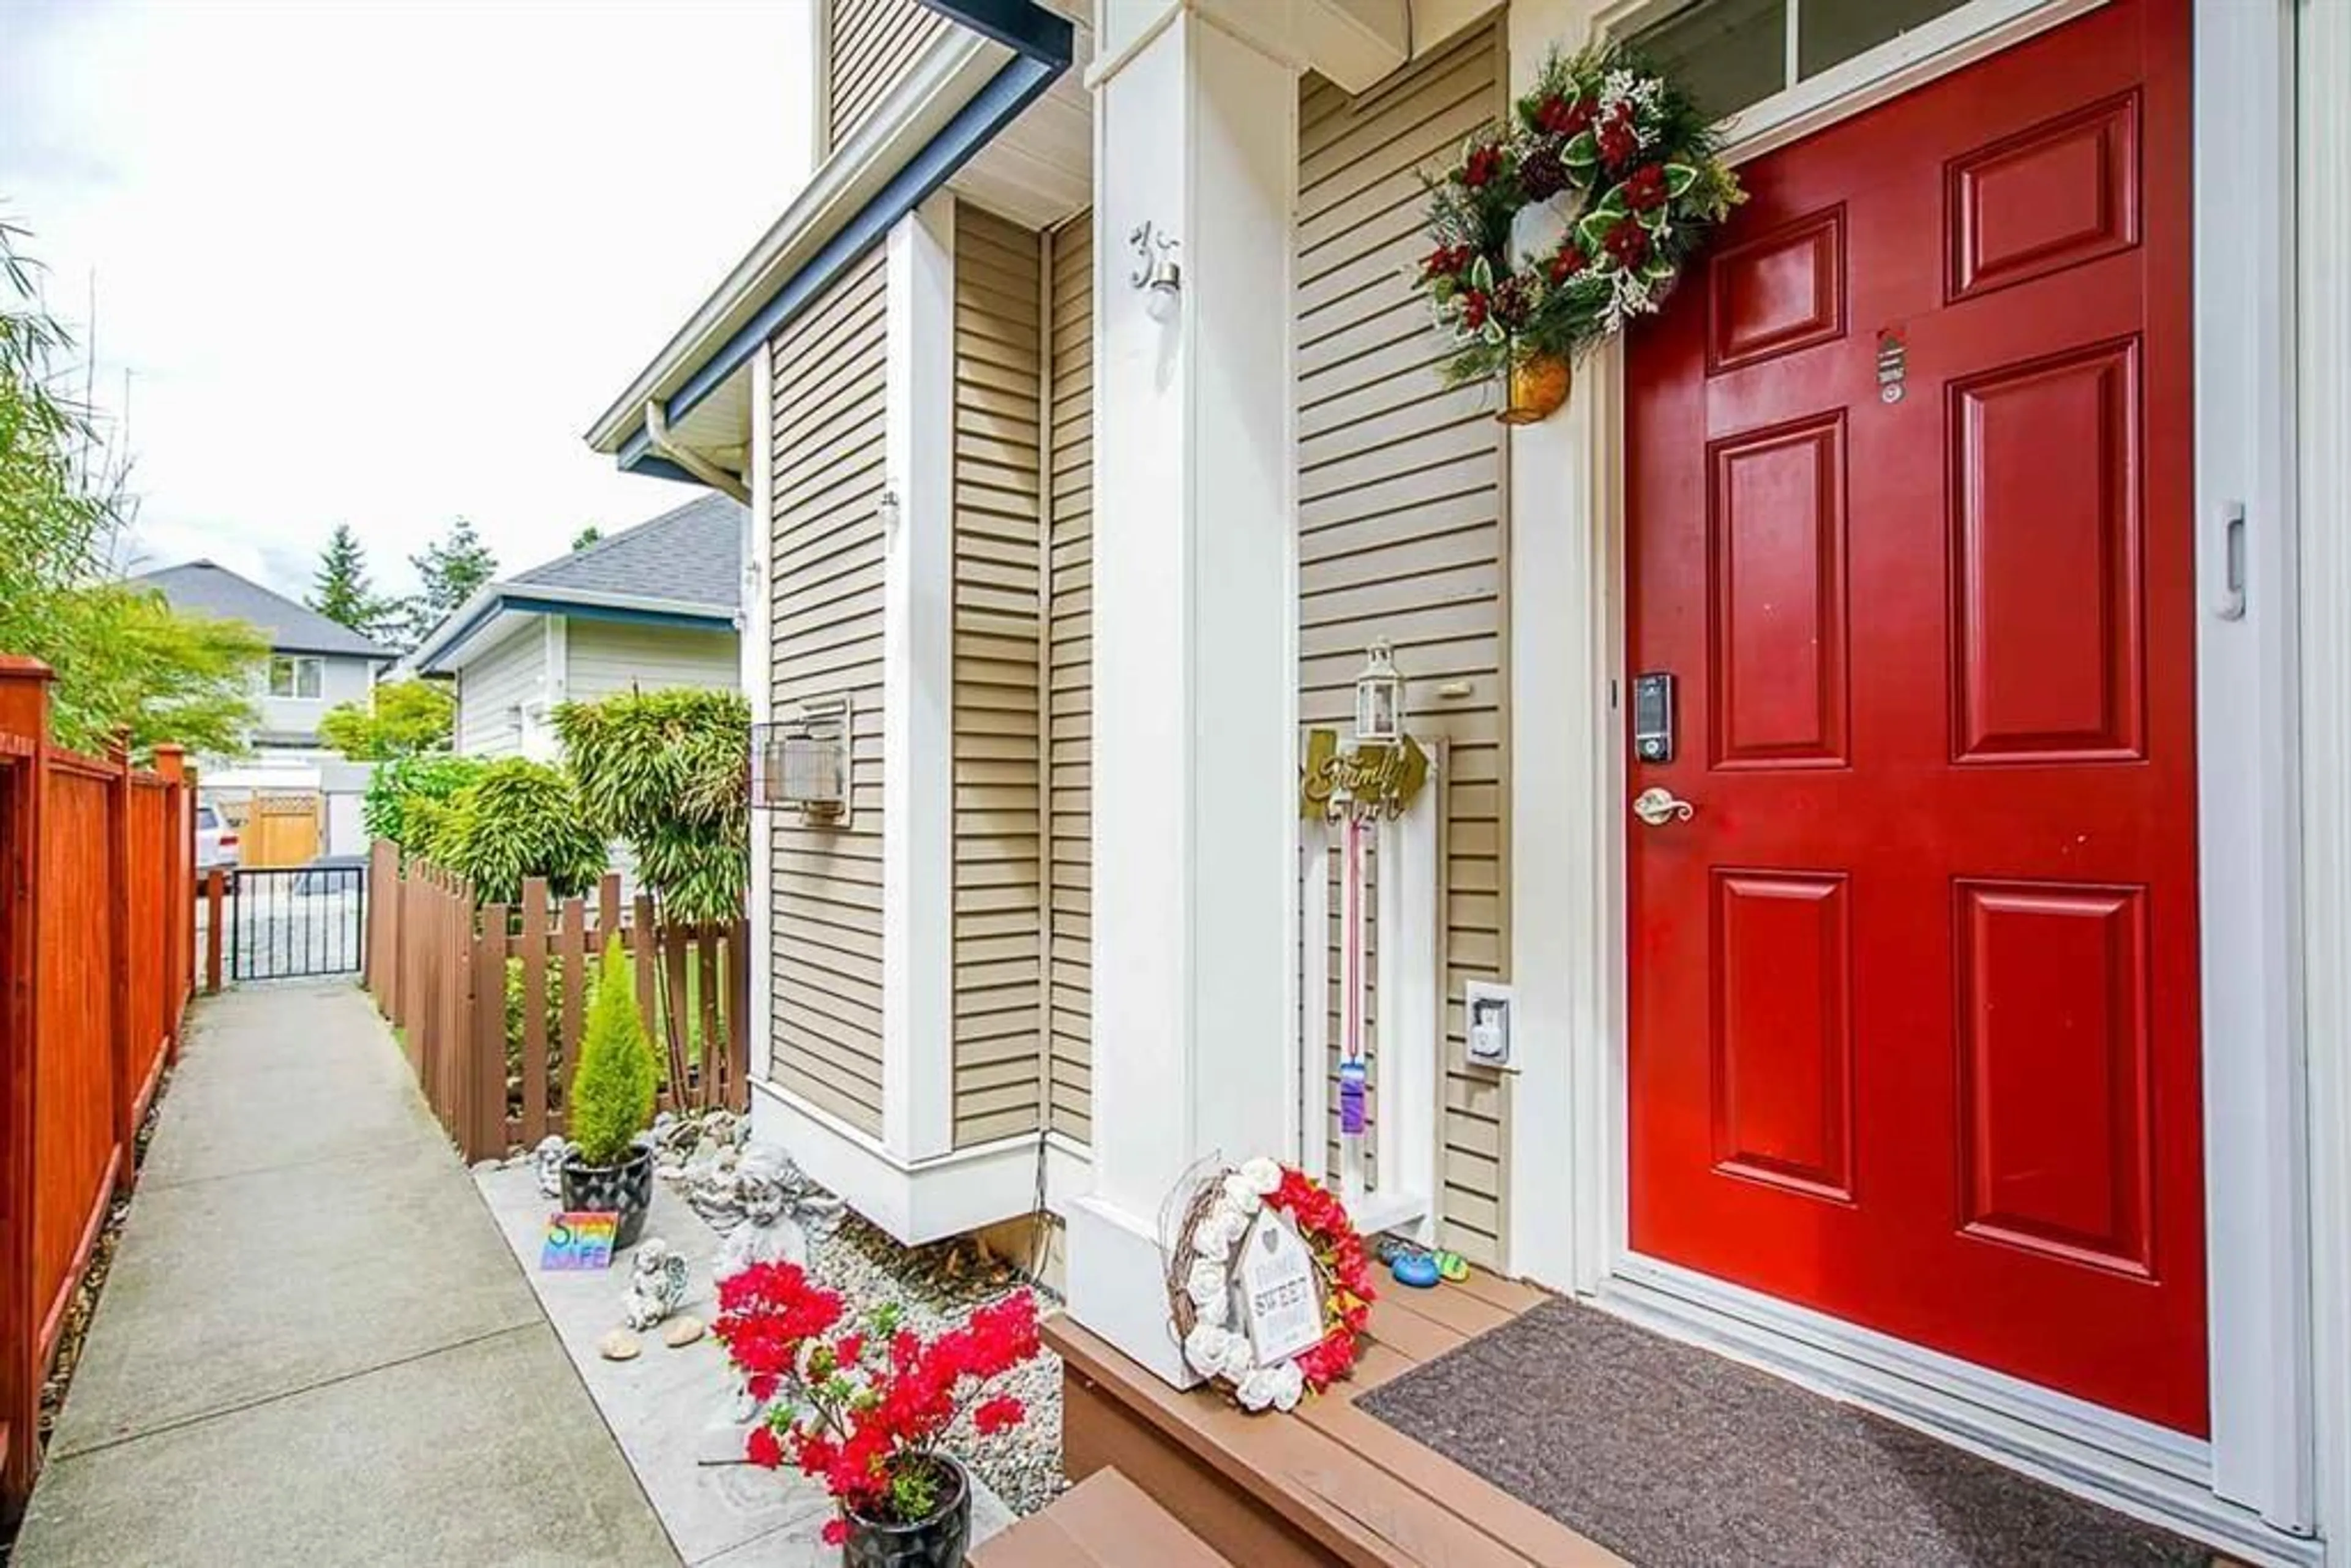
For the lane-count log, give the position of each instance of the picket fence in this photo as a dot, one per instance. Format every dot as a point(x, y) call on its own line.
point(97, 952)
point(448, 974)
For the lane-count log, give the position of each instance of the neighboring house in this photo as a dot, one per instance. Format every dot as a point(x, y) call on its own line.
point(1976, 1043)
point(653, 606)
point(315, 664)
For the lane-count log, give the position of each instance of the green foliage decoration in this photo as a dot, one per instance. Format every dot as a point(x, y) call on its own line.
point(398, 718)
point(618, 1083)
point(666, 773)
point(519, 818)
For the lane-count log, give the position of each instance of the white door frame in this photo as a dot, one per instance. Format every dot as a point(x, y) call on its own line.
point(1569, 953)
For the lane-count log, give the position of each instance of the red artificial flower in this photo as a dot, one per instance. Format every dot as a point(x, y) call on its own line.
point(1617, 140)
point(1473, 310)
point(836, 1531)
point(1579, 118)
point(762, 1448)
point(1629, 243)
point(1000, 1414)
point(1444, 260)
point(1485, 161)
point(1645, 188)
point(1566, 264)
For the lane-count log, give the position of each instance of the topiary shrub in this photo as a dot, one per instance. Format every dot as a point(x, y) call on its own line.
point(520, 819)
point(613, 1094)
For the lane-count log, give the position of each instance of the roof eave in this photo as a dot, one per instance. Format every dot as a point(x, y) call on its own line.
point(975, 80)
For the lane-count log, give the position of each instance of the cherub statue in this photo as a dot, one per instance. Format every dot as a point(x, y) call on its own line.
point(656, 1285)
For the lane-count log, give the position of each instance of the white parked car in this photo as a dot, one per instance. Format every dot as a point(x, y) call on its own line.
point(217, 844)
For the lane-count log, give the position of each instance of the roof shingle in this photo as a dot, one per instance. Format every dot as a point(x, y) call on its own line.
point(691, 554)
point(206, 588)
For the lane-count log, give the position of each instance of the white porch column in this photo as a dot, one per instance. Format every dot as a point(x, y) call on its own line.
point(1194, 643)
point(918, 690)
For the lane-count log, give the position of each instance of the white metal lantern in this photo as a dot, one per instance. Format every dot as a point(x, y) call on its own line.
point(1379, 696)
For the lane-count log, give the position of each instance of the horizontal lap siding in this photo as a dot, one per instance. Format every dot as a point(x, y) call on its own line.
point(999, 896)
point(825, 608)
point(1402, 521)
point(605, 657)
point(869, 45)
point(492, 686)
point(1069, 670)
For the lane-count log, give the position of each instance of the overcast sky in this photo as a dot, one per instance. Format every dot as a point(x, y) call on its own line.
point(381, 261)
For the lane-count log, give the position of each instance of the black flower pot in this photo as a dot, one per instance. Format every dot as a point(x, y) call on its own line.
point(625, 1189)
point(938, 1542)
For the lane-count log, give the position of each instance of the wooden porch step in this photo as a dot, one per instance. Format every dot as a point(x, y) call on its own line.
point(1103, 1522)
point(1331, 1484)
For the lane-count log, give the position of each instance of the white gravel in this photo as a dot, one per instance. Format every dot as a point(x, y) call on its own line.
point(935, 1287)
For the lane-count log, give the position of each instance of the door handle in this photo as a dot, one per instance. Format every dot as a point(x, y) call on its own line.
point(1658, 806)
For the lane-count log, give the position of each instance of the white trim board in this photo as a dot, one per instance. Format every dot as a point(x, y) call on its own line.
point(1567, 949)
point(757, 653)
point(921, 1200)
point(918, 686)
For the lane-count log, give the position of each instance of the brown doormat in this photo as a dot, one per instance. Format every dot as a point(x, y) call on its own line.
point(1676, 1457)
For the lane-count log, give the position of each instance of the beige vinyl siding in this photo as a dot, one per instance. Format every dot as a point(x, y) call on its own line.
point(869, 45)
point(999, 822)
point(1070, 674)
point(608, 656)
point(825, 588)
point(493, 684)
point(1402, 522)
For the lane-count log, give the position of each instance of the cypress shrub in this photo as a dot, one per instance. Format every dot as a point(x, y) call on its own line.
point(613, 1094)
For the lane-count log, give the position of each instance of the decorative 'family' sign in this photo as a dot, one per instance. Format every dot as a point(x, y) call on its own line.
point(579, 1241)
point(1370, 780)
point(1280, 1305)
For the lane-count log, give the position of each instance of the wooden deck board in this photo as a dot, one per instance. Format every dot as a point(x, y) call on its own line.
point(1103, 1522)
point(1347, 1487)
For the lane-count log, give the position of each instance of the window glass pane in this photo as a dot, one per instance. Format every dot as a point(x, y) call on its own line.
point(1727, 54)
point(306, 674)
point(1828, 31)
point(281, 677)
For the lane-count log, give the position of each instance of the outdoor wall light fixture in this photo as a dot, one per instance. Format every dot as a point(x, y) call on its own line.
point(1379, 696)
point(1159, 274)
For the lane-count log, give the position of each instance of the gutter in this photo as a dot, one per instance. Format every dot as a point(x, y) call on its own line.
point(494, 598)
point(767, 287)
point(657, 441)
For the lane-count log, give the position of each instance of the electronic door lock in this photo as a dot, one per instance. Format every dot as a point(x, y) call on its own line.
point(1653, 716)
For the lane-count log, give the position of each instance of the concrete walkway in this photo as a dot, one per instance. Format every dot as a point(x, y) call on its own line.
point(315, 1346)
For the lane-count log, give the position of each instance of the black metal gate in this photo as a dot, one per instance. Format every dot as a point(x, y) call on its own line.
point(288, 921)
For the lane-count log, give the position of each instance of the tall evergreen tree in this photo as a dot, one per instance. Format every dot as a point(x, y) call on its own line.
point(341, 592)
point(447, 571)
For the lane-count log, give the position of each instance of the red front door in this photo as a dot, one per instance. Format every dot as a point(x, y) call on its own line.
point(1914, 987)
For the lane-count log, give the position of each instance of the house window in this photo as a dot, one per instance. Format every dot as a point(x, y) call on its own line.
point(1733, 54)
point(294, 675)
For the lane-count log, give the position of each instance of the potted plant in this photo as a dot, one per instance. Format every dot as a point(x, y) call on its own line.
point(612, 1099)
point(865, 1406)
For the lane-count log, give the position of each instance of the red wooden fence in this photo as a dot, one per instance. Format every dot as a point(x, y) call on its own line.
point(442, 971)
point(97, 945)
